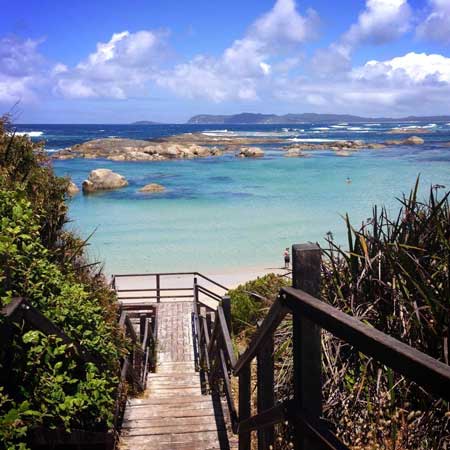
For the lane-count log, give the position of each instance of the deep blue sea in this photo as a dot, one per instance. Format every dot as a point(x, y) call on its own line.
point(224, 214)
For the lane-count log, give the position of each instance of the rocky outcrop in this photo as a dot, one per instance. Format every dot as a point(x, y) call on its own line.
point(414, 140)
point(406, 130)
point(72, 189)
point(336, 146)
point(103, 179)
point(152, 187)
point(250, 152)
point(116, 149)
point(342, 153)
point(294, 153)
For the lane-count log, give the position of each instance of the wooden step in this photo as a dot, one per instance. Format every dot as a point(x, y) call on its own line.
point(137, 413)
point(207, 439)
point(183, 402)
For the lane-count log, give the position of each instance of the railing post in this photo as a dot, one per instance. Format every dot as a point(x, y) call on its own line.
point(226, 306)
point(244, 405)
point(158, 288)
point(142, 320)
point(265, 400)
point(306, 259)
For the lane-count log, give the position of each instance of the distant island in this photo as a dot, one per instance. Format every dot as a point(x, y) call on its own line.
point(254, 118)
point(145, 122)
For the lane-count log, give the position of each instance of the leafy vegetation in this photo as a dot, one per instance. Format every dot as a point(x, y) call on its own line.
point(45, 382)
point(246, 309)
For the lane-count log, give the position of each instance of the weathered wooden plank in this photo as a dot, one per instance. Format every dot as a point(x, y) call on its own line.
point(273, 318)
point(170, 429)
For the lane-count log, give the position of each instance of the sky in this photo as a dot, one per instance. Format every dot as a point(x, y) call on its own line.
point(119, 61)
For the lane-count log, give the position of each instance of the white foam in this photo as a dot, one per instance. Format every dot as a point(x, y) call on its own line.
point(30, 133)
point(314, 140)
point(338, 126)
point(357, 129)
point(321, 128)
point(215, 133)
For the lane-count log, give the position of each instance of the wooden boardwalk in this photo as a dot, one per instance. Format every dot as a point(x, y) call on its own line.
point(173, 413)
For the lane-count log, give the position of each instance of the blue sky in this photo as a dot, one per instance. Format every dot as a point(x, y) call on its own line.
point(119, 61)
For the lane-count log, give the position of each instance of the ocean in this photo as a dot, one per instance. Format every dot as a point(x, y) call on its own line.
point(226, 214)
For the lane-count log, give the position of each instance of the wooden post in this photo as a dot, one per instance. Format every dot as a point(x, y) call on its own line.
point(226, 305)
point(306, 259)
point(158, 288)
point(198, 351)
point(265, 391)
point(196, 294)
point(142, 320)
point(244, 405)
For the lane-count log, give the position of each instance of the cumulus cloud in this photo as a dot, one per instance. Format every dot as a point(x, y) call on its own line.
point(246, 65)
point(117, 68)
point(411, 69)
point(381, 21)
point(284, 25)
point(21, 67)
point(415, 83)
point(436, 26)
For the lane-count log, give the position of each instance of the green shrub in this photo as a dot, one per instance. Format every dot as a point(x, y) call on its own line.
point(45, 382)
point(246, 310)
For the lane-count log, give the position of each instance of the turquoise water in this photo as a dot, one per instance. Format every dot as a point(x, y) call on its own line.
point(224, 214)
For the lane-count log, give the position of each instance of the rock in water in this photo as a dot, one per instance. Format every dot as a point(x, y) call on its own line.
point(152, 187)
point(103, 179)
point(72, 189)
point(250, 152)
point(414, 140)
point(294, 153)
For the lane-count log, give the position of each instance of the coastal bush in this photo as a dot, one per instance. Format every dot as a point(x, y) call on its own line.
point(246, 310)
point(45, 382)
point(393, 275)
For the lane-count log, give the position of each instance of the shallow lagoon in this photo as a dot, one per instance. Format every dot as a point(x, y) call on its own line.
point(224, 214)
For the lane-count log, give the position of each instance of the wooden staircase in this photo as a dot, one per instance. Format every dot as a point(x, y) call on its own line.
point(175, 411)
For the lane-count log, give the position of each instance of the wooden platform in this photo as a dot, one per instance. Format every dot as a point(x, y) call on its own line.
point(173, 413)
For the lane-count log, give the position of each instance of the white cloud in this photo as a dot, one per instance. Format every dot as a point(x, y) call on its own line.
point(245, 67)
point(21, 69)
point(117, 68)
point(436, 26)
point(381, 21)
point(283, 24)
point(412, 69)
point(415, 83)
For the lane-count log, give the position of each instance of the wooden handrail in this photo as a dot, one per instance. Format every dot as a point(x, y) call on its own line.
point(273, 318)
point(19, 308)
point(406, 360)
point(309, 316)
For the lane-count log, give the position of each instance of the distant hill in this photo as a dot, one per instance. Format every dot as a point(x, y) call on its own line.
point(253, 118)
point(145, 122)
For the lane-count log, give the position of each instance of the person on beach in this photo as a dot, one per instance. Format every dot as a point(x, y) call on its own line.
point(287, 258)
